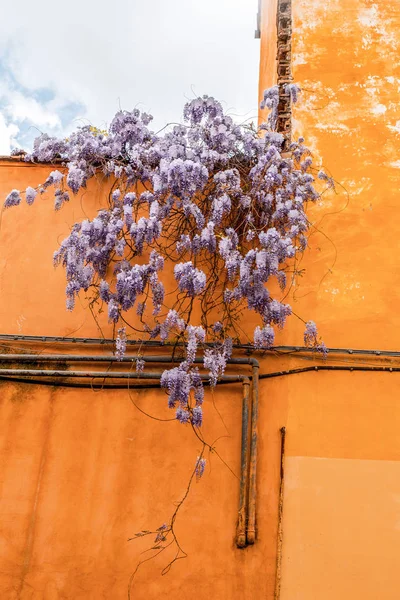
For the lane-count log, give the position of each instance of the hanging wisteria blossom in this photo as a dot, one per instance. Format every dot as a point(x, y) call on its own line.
point(218, 201)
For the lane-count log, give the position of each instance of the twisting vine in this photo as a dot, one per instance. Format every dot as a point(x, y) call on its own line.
point(165, 535)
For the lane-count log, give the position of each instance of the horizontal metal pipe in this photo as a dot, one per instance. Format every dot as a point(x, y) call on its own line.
point(356, 351)
point(86, 385)
point(318, 368)
point(101, 358)
point(10, 337)
point(102, 374)
point(156, 344)
point(314, 369)
point(90, 385)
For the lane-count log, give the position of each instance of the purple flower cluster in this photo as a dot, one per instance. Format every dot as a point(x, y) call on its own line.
point(120, 343)
point(270, 100)
point(293, 90)
point(200, 466)
point(311, 339)
point(264, 337)
point(30, 195)
point(191, 280)
point(215, 360)
point(13, 199)
point(140, 364)
point(216, 199)
point(182, 382)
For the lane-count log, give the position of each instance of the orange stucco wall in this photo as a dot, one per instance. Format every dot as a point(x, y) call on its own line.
point(341, 537)
point(82, 471)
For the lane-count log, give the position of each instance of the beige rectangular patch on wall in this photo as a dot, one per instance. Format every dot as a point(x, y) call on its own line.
point(341, 529)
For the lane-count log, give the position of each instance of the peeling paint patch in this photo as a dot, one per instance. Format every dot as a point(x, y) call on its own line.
point(344, 29)
point(369, 17)
point(379, 109)
point(299, 59)
point(358, 187)
point(352, 289)
point(338, 128)
point(395, 128)
point(377, 25)
point(395, 164)
point(353, 286)
point(372, 85)
point(366, 41)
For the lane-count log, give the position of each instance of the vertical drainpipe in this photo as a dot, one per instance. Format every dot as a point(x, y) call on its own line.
point(244, 467)
point(278, 572)
point(284, 126)
point(284, 70)
point(251, 523)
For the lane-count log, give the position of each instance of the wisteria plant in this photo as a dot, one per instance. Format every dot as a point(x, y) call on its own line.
point(212, 205)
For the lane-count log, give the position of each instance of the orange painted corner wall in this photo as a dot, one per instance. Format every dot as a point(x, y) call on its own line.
point(345, 59)
point(341, 535)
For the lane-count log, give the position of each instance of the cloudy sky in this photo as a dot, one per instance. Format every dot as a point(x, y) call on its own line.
point(64, 65)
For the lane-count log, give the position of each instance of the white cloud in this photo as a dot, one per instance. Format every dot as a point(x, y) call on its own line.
point(147, 53)
point(20, 108)
point(7, 136)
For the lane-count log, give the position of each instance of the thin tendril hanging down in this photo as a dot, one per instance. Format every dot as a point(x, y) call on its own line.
point(210, 205)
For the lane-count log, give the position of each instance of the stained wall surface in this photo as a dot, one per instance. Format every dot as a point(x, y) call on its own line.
point(341, 504)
